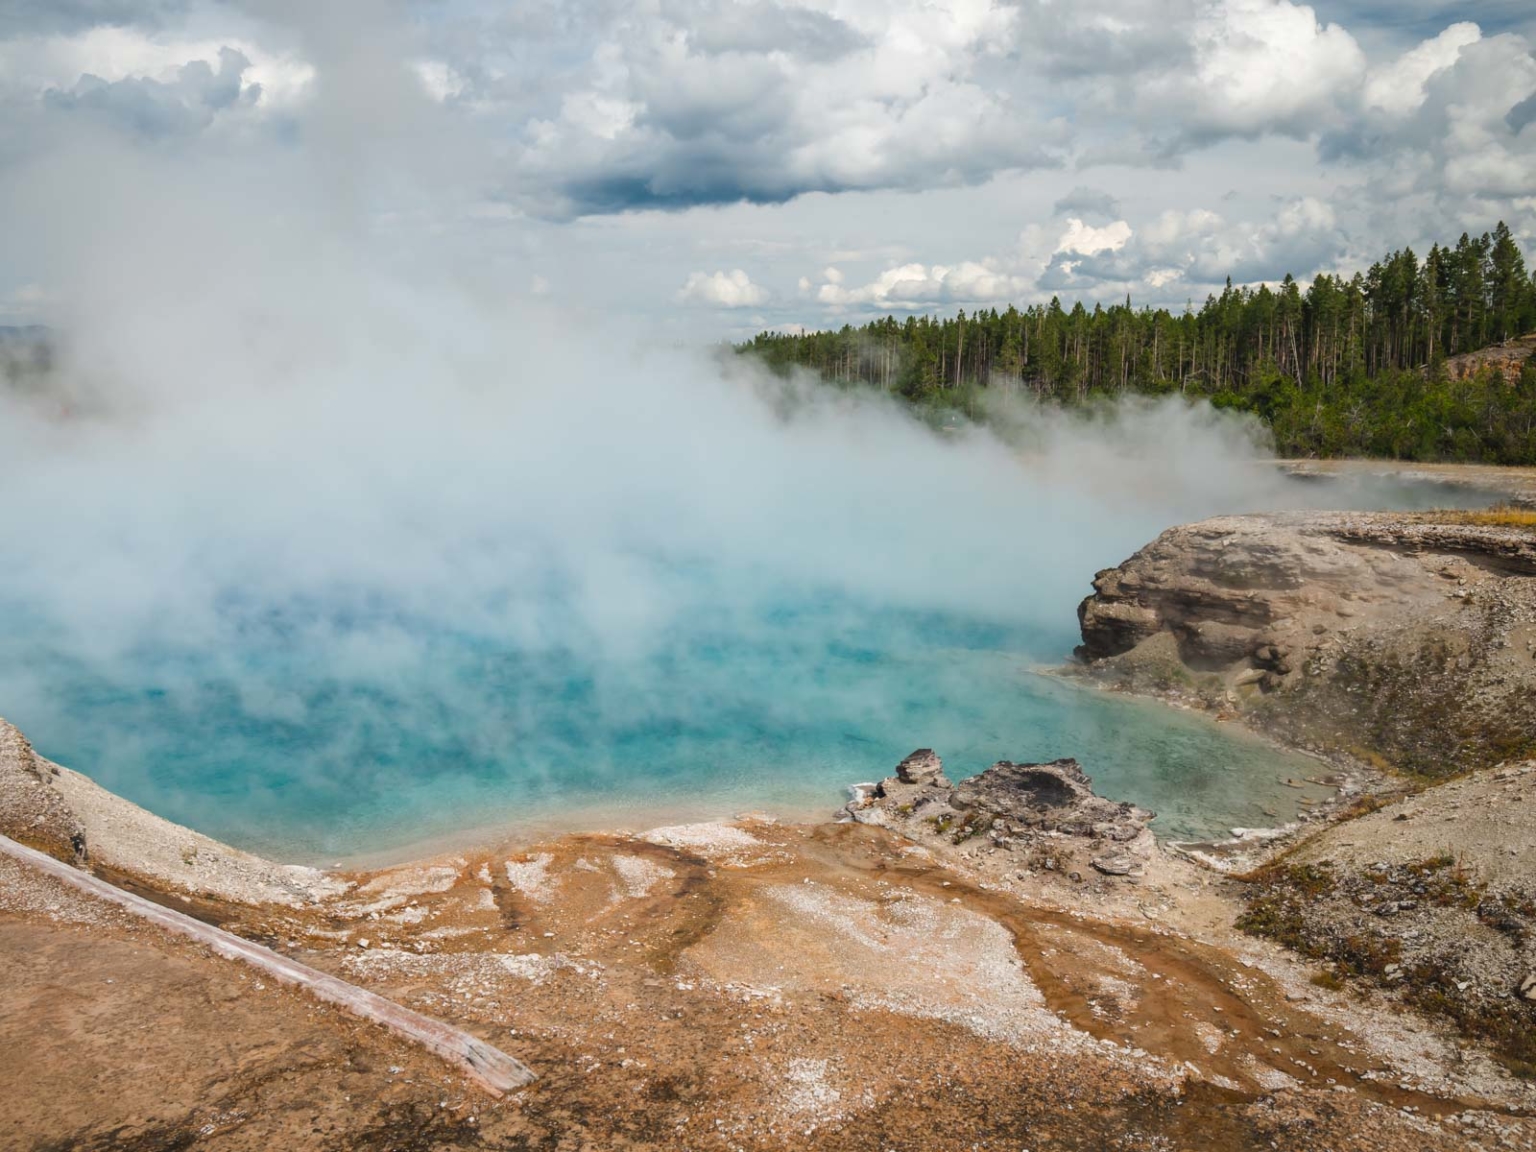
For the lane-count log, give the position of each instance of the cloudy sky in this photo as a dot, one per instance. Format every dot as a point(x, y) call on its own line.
point(714, 167)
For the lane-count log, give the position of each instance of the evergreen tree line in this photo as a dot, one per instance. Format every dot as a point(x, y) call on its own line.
point(1360, 365)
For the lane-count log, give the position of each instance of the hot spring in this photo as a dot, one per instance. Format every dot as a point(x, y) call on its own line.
point(325, 540)
point(334, 623)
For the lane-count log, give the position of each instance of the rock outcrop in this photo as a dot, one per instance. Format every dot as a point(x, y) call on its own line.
point(1010, 807)
point(922, 767)
point(1508, 359)
point(1409, 638)
point(1054, 797)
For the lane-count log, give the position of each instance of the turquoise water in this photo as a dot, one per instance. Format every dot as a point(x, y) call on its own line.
point(319, 727)
point(779, 716)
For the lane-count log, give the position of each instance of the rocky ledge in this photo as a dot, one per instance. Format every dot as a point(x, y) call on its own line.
point(1404, 639)
point(1046, 809)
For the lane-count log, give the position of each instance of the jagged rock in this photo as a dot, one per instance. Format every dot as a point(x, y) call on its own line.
point(1056, 796)
point(922, 767)
point(1014, 800)
point(1211, 642)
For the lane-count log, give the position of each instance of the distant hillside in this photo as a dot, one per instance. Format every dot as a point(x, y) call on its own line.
point(1418, 360)
point(1508, 360)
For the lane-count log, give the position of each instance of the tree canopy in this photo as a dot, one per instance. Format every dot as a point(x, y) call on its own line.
point(1380, 363)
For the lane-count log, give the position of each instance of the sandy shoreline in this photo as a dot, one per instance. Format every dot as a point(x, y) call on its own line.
point(629, 819)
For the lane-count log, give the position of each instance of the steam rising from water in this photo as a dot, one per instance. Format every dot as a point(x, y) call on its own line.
point(310, 526)
point(314, 565)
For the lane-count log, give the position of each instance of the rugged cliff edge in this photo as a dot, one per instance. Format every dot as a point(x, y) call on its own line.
point(1405, 640)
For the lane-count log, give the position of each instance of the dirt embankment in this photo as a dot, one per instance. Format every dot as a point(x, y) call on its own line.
point(1012, 962)
point(1404, 642)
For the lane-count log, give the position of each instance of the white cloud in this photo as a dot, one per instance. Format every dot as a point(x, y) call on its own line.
point(1398, 87)
point(1261, 65)
point(689, 104)
point(915, 286)
point(1459, 154)
point(732, 289)
point(1174, 254)
point(32, 65)
point(919, 286)
point(1165, 144)
point(1196, 249)
point(1168, 258)
point(439, 78)
point(1090, 241)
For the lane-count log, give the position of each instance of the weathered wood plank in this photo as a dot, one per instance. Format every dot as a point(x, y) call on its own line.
point(490, 1067)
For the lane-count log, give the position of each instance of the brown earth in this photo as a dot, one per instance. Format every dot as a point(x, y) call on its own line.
point(732, 986)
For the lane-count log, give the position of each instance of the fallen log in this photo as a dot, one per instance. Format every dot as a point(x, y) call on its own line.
point(490, 1067)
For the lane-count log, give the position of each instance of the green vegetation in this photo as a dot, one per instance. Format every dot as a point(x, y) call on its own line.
point(971, 824)
point(1374, 365)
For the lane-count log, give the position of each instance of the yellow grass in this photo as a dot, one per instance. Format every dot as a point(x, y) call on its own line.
point(1499, 516)
point(1503, 517)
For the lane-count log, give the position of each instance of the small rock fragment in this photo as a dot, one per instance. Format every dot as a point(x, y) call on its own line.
point(1116, 864)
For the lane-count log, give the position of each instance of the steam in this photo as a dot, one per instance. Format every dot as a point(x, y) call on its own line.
point(299, 474)
point(255, 406)
point(406, 451)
